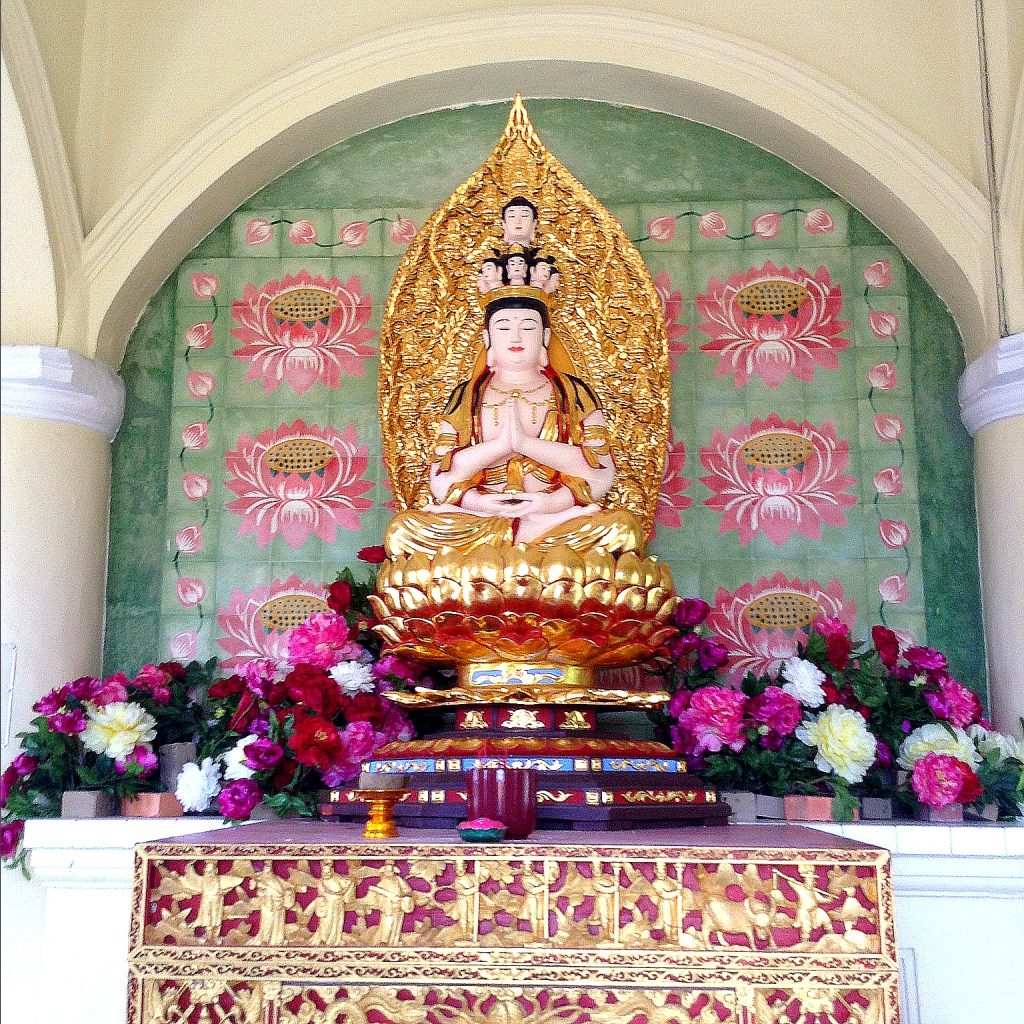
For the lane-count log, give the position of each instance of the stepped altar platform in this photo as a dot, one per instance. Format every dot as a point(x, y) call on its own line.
point(290, 922)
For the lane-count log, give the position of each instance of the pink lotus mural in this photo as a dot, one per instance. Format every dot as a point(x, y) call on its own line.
point(298, 481)
point(778, 477)
point(671, 500)
point(672, 309)
point(770, 323)
point(763, 623)
point(257, 624)
point(303, 329)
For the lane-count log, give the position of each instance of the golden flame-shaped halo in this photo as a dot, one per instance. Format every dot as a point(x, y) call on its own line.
point(607, 315)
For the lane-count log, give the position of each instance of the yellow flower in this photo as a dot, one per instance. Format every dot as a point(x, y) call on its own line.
point(116, 729)
point(844, 744)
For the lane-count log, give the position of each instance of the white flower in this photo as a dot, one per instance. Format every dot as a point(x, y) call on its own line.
point(198, 784)
point(844, 744)
point(234, 760)
point(803, 681)
point(943, 739)
point(353, 678)
point(988, 740)
point(116, 729)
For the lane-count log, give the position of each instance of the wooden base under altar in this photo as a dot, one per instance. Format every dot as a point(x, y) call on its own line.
point(293, 922)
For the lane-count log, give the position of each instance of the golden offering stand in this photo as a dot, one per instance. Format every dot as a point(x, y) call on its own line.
point(381, 822)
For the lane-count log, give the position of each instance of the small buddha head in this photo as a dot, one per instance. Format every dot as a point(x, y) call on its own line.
point(519, 220)
point(517, 330)
point(490, 275)
point(542, 270)
point(516, 266)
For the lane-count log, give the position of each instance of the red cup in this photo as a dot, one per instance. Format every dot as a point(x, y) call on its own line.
point(507, 794)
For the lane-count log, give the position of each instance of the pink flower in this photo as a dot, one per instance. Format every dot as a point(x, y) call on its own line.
point(878, 274)
point(671, 500)
point(818, 222)
point(204, 286)
point(767, 225)
point(10, 836)
point(714, 720)
point(662, 229)
point(883, 376)
point(780, 711)
point(258, 230)
point(52, 702)
point(262, 754)
point(954, 703)
point(888, 427)
point(141, 756)
point(238, 799)
point(392, 665)
point(195, 486)
point(359, 741)
point(757, 490)
point(199, 336)
point(763, 623)
point(302, 330)
point(941, 779)
point(712, 225)
point(184, 646)
point(893, 589)
point(671, 309)
point(894, 533)
point(195, 437)
point(402, 231)
point(883, 324)
point(201, 385)
point(24, 765)
point(298, 481)
point(302, 232)
point(189, 539)
point(354, 234)
point(754, 337)
point(889, 481)
point(926, 659)
point(257, 624)
point(322, 640)
point(191, 591)
point(70, 723)
point(114, 690)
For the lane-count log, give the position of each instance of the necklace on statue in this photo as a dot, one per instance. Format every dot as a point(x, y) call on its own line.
point(515, 395)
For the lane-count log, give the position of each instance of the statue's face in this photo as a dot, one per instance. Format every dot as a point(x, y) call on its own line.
point(516, 266)
point(490, 273)
point(516, 338)
point(540, 273)
point(519, 223)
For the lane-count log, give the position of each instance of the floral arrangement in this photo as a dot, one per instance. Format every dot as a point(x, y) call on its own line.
point(843, 718)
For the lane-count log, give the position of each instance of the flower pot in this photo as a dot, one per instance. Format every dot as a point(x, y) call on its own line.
point(876, 808)
point(742, 805)
point(769, 807)
point(87, 803)
point(799, 807)
point(152, 805)
point(173, 757)
point(989, 812)
point(508, 795)
point(940, 815)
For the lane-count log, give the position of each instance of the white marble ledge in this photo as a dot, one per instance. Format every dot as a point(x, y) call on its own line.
point(957, 860)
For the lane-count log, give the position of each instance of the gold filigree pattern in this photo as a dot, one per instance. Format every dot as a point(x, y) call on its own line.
point(608, 316)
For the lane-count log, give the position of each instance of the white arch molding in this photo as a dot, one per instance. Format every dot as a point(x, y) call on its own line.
point(935, 215)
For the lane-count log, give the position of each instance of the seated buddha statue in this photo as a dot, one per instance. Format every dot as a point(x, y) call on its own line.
point(522, 449)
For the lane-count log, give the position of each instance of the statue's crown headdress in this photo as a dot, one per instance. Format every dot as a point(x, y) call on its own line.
point(518, 291)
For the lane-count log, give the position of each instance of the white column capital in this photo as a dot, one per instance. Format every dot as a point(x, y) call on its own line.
point(992, 386)
point(42, 382)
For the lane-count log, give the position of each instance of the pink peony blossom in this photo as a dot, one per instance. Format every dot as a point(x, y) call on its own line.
point(258, 230)
point(113, 691)
point(262, 755)
point(714, 720)
point(888, 427)
point(780, 711)
point(941, 779)
point(767, 225)
point(393, 665)
point(185, 645)
point(818, 222)
point(189, 539)
point(662, 229)
point(893, 589)
point(24, 765)
point(191, 591)
point(889, 481)
point(302, 232)
point(151, 677)
point(204, 286)
point(712, 225)
point(70, 723)
point(200, 384)
point(354, 234)
point(883, 323)
point(878, 274)
point(238, 799)
point(894, 533)
point(199, 336)
point(927, 659)
point(954, 703)
point(396, 726)
point(322, 640)
point(195, 437)
point(195, 486)
point(882, 376)
point(359, 740)
point(402, 231)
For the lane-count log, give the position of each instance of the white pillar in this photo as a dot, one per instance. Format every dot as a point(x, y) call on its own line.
point(992, 408)
point(60, 412)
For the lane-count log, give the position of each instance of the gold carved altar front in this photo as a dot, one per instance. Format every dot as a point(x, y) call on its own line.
point(294, 923)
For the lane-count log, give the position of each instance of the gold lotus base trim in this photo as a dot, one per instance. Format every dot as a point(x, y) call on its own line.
point(459, 696)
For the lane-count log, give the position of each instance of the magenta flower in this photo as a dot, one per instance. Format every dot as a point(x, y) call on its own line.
point(818, 222)
point(195, 486)
point(199, 336)
point(893, 589)
point(661, 229)
point(238, 799)
point(195, 437)
point(191, 591)
point(889, 481)
point(52, 702)
point(889, 428)
point(262, 754)
point(714, 720)
point(712, 225)
point(882, 376)
point(894, 533)
point(941, 779)
point(954, 703)
point(878, 274)
point(113, 691)
point(24, 765)
point(359, 740)
point(780, 711)
point(10, 837)
point(767, 225)
point(711, 654)
point(883, 323)
point(258, 230)
point(926, 659)
point(150, 677)
point(402, 231)
point(141, 756)
point(200, 384)
point(70, 723)
point(392, 665)
point(84, 688)
point(354, 234)
point(204, 286)
point(302, 232)
point(322, 640)
point(189, 539)
point(690, 613)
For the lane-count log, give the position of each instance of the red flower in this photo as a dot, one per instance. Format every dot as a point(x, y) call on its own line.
point(174, 669)
point(339, 597)
point(692, 611)
point(927, 659)
point(195, 437)
point(247, 710)
point(887, 644)
point(70, 723)
point(227, 687)
point(883, 376)
point(189, 539)
point(364, 707)
point(894, 533)
point(199, 336)
point(311, 687)
point(374, 554)
point(316, 743)
point(889, 481)
point(258, 231)
point(883, 324)
point(889, 428)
